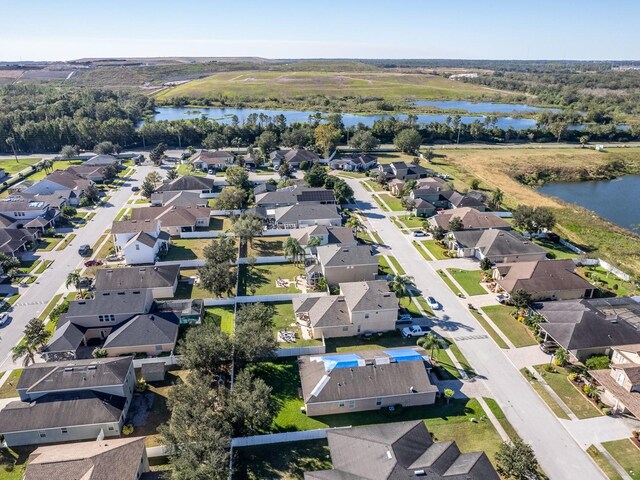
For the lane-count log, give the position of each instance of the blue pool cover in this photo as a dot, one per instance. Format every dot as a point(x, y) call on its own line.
point(341, 361)
point(406, 355)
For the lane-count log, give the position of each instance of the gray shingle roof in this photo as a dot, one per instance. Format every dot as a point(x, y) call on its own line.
point(147, 329)
point(121, 302)
point(367, 296)
point(133, 278)
point(494, 242)
point(471, 219)
point(101, 160)
point(134, 226)
point(541, 276)
point(295, 194)
point(334, 234)
point(323, 311)
point(306, 211)
point(178, 198)
point(187, 182)
point(338, 255)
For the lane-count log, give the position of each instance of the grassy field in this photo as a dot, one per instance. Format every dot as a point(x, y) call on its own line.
point(435, 249)
point(503, 167)
point(8, 389)
point(603, 463)
point(285, 85)
point(575, 400)
point(544, 395)
point(626, 454)
point(261, 279)
point(469, 280)
point(556, 250)
point(608, 281)
point(11, 166)
point(221, 316)
point(445, 278)
point(516, 331)
point(267, 247)
point(187, 248)
point(392, 202)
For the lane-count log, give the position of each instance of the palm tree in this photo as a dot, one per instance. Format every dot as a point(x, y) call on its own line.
point(25, 351)
point(293, 249)
point(401, 284)
point(497, 196)
point(431, 342)
point(46, 165)
point(73, 278)
point(355, 224)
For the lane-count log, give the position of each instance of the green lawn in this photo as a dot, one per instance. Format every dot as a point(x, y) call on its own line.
point(607, 281)
point(396, 265)
point(286, 461)
point(46, 244)
point(342, 173)
point(626, 454)
point(436, 250)
point(375, 342)
point(27, 266)
point(185, 169)
point(603, 463)
point(489, 329)
point(555, 250)
point(411, 308)
point(383, 266)
point(57, 165)
point(187, 249)
point(107, 249)
point(187, 289)
point(45, 313)
point(469, 280)
point(218, 224)
point(380, 203)
point(544, 395)
point(411, 221)
point(375, 186)
point(502, 420)
point(11, 166)
point(66, 241)
point(43, 266)
point(394, 204)
point(462, 360)
point(8, 389)
point(376, 237)
point(516, 331)
point(267, 247)
point(261, 279)
point(120, 214)
point(221, 316)
point(283, 319)
point(575, 400)
point(421, 251)
point(17, 457)
point(449, 283)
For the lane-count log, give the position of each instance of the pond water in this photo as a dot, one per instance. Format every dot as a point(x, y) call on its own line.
point(223, 115)
point(482, 107)
point(615, 200)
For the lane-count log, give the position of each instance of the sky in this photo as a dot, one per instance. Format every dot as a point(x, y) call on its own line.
point(472, 29)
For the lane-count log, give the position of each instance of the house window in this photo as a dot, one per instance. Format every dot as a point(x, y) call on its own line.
point(620, 379)
point(64, 430)
point(43, 435)
point(111, 428)
point(101, 318)
point(137, 246)
point(352, 404)
point(112, 318)
point(366, 315)
point(345, 328)
point(378, 402)
point(341, 404)
point(158, 348)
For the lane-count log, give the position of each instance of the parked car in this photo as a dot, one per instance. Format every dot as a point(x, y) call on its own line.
point(433, 303)
point(211, 171)
point(549, 347)
point(84, 282)
point(405, 316)
point(4, 318)
point(502, 298)
point(135, 188)
point(415, 331)
point(84, 250)
point(419, 233)
point(92, 263)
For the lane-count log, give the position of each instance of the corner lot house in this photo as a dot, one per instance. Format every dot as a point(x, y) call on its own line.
point(188, 183)
point(399, 451)
point(61, 181)
point(543, 279)
point(620, 385)
point(162, 280)
point(69, 401)
point(342, 264)
point(139, 241)
point(361, 307)
point(216, 160)
point(121, 458)
point(367, 380)
point(591, 326)
point(471, 218)
point(499, 246)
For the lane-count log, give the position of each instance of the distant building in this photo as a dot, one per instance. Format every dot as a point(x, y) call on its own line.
point(354, 162)
point(213, 160)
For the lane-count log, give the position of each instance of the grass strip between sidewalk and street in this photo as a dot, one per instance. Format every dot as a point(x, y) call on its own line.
point(489, 329)
point(544, 395)
point(626, 454)
point(604, 463)
point(449, 282)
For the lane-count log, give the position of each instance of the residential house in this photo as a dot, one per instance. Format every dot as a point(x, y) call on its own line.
point(432, 190)
point(264, 187)
point(404, 171)
point(422, 208)
point(140, 241)
point(303, 215)
point(499, 246)
point(188, 183)
point(34, 216)
point(341, 264)
point(103, 161)
point(293, 195)
point(213, 160)
point(399, 451)
point(13, 241)
point(69, 401)
point(293, 157)
point(62, 181)
point(396, 187)
point(354, 162)
point(361, 307)
point(174, 198)
point(56, 200)
point(175, 219)
point(325, 236)
point(472, 219)
point(366, 380)
point(250, 161)
point(121, 322)
point(470, 199)
point(587, 327)
point(94, 173)
point(162, 280)
point(121, 458)
point(543, 279)
point(620, 385)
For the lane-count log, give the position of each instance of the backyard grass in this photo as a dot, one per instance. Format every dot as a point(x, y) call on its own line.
point(607, 281)
point(604, 463)
point(544, 395)
point(396, 265)
point(57, 165)
point(449, 283)
point(394, 204)
point(575, 400)
point(469, 280)
point(626, 454)
point(261, 279)
point(187, 289)
point(516, 331)
point(555, 250)
point(283, 319)
point(16, 456)
point(374, 342)
point(436, 250)
point(383, 266)
point(11, 166)
point(8, 389)
point(46, 244)
point(411, 221)
point(187, 249)
point(489, 329)
point(267, 247)
point(219, 224)
point(54, 301)
point(221, 317)
point(286, 461)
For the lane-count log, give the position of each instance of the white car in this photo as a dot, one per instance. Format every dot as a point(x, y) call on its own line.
point(419, 233)
point(414, 331)
point(4, 318)
point(433, 303)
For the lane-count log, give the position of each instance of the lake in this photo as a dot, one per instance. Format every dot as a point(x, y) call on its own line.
point(482, 107)
point(615, 200)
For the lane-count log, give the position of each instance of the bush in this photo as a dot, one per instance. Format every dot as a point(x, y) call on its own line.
point(635, 433)
point(49, 232)
point(573, 376)
point(550, 368)
point(141, 385)
point(597, 362)
point(615, 286)
point(127, 429)
point(606, 411)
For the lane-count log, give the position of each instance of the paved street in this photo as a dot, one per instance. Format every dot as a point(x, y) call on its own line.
point(559, 454)
point(36, 296)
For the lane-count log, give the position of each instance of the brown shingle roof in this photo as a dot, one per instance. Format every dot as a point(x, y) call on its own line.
point(471, 219)
point(541, 276)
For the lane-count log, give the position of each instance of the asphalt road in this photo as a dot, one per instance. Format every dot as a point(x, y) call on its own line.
point(558, 453)
point(36, 296)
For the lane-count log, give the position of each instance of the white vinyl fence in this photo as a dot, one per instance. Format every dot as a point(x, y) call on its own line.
point(281, 437)
point(297, 351)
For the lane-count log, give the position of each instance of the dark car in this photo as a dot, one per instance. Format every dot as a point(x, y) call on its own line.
point(549, 347)
point(92, 263)
point(135, 188)
point(84, 250)
point(84, 282)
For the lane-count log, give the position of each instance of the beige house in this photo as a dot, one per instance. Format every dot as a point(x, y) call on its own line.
point(366, 380)
point(620, 385)
point(499, 246)
point(472, 219)
point(174, 219)
point(341, 264)
point(361, 307)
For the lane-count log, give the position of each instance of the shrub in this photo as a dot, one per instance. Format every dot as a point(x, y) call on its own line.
point(606, 411)
point(141, 385)
point(9, 467)
point(615, 286)
point(550, 368)
point(591, 391)
point(635, 433)
point(573, 376)
point(127, 429)
point(597, 362)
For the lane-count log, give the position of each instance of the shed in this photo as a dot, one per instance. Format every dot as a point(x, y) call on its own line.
point(153, 372)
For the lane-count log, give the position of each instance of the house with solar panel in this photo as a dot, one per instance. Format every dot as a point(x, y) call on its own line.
point(367, 380)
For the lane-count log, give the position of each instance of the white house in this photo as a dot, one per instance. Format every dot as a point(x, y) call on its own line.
point(139, 240)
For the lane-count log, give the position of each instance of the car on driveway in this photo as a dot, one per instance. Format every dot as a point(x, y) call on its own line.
point(419, 233)
point(4, 318)
point(415, 331)
point(433, 303)
point(85, 282)
point(92, 263)
point(549, 347)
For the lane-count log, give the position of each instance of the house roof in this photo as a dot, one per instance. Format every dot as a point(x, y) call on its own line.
point(54, 199)
point(187, 182)
point(299, 155)
point(494, 242)
point(11, 239)
point(422, 204)
point(339, 255)
point(397, 451)
point(322, 311)
point(132, 278)
point(540, 276)
point(172, 216)
point(66, 338)
point(264, 187)
point(359, 158)
point(87, 171)
point(213, 157)
point(133, 226)
point(295, 194)
point(367, 296)
point(459, 200)
point(12, 204)
point(178, 198)
point(143, 238)
point(145, 329)
point(98, 460)
point(364, 374)
point(431, 186)
point(631, 400)
point(61, 410)
point(334, 234)
point(472, 219)
point(74, 374)
point(120, 302)
point(68, 179)
point(305, 211)
point(101, 160)
point(591, 323)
